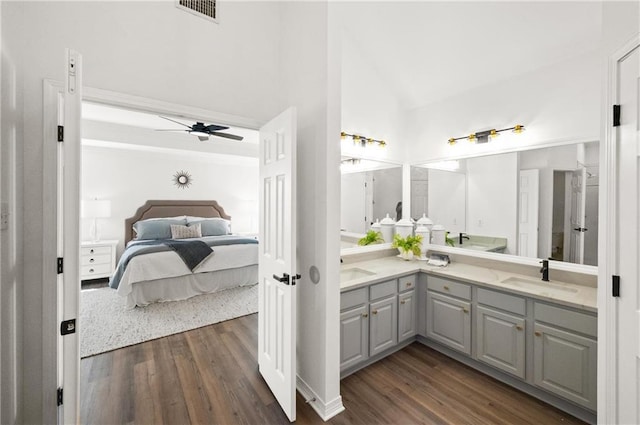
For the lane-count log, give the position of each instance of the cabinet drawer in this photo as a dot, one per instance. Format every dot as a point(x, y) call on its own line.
point(573, 320)
point(406, 283)
point(383, 289)
point(353, 298)
point(449, 287)
point(510, 303)
point(95, 250)
point(91, 260)
point(100, 269)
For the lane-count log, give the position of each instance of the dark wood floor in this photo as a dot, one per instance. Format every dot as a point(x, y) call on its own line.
point(210, 376)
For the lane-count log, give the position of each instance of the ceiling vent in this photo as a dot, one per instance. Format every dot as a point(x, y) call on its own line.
point(203, 8)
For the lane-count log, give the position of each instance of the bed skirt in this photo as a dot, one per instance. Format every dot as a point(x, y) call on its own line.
point(183, 287)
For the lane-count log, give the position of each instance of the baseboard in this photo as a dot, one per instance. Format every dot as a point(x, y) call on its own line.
point(326, 410)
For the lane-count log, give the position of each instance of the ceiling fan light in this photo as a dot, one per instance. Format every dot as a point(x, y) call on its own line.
point(200, 134)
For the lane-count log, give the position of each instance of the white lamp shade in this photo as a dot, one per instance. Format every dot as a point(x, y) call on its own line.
point(95, 208)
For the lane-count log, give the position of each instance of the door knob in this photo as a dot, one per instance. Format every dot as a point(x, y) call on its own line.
point(283, 279)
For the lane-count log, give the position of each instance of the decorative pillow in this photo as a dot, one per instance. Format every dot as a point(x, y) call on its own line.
point(156, 228)
point(213, 226)
point(184, 232)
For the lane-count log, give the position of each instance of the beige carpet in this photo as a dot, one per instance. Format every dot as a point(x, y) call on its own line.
point(106, 325)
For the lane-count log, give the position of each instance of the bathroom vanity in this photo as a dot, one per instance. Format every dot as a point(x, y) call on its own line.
point(540, 337)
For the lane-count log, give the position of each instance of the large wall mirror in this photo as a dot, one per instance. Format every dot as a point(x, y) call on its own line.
point(370, 191)
point(540, 203)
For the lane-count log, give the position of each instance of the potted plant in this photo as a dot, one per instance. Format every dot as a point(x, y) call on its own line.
point(372, 237)
point(408, 247)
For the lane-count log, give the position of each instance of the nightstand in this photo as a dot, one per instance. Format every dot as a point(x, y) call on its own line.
point(97, 259)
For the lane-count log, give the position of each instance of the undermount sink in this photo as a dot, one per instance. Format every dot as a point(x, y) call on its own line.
point(351, 274)
point(537, 284)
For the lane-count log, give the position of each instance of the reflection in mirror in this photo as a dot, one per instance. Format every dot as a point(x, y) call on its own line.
point(540, 203)
point(370, 191)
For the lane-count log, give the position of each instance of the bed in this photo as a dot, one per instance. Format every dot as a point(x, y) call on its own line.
point(150, 270)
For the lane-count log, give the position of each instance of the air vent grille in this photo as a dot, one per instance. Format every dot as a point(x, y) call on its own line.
point(205, 8)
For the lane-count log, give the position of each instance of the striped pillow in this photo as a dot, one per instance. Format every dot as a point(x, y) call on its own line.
point(184, 232)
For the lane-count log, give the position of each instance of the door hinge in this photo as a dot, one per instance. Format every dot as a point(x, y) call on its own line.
point(615, 286)
point(60, 265)
point(616, 115)
point(60, 396)
point(68, 327)
point(60, 133)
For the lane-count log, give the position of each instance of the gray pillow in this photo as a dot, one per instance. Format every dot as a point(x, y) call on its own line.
point(213, 226)
point(156, 228)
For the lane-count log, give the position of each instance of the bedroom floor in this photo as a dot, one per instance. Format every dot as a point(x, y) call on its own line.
point(210, 375)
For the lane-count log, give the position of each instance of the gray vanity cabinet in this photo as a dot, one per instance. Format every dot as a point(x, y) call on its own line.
point(500, 331)
point(407, 315)
point(500, 340)
point(449, 321)
point(565, 354)
point(384, 324)
point(354, 336)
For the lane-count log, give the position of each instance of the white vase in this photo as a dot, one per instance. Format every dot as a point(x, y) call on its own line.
point(406, 255)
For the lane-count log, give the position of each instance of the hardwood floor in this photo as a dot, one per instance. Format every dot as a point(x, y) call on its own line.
point(210, 376)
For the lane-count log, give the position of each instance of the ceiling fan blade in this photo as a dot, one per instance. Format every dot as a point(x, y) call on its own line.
point(177, 122)
point(203, 138)
point(226, 135)
point(171, 129)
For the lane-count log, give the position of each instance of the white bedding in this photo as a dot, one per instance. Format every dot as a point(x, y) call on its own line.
point(167, 264)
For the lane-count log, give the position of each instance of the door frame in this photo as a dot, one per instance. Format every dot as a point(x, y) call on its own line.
point(607, 243)
point(51, 88)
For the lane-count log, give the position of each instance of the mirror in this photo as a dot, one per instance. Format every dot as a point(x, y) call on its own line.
point(370, 191)
point(540, 203)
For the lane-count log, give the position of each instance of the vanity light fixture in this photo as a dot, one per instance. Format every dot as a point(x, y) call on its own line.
point(362, 140)
point(484, 136)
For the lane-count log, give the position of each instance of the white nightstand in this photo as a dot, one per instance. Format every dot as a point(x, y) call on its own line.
point(97, 259)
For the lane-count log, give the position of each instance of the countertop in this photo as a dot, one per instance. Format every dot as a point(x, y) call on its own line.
point(572, 295)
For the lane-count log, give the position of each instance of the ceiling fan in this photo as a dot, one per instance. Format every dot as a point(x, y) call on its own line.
point(204, 131)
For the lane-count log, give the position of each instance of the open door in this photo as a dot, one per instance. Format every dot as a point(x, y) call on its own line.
point(528, 213)
point(277, 259)
point(578, 199)
point(68, 241)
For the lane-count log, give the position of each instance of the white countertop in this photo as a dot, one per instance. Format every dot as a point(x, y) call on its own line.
point(572, 295)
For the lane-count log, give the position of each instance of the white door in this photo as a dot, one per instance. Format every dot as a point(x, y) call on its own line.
point(578, 200)
point(277, 259)
point(628, 232)
point(528, 214)
point(68, 236)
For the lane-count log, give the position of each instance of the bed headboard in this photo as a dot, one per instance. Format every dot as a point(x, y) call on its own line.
point(172, 208)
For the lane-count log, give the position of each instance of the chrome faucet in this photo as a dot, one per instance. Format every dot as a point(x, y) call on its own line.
point(463, 236)
point(545, 270)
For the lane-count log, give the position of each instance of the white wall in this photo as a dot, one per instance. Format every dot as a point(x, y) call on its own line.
point(556, 103)
point(492, 188)
point(11, 239)
point(310, 80)
point(368, 104)
point(149, 49)
point(447, 200)
point(129, 178)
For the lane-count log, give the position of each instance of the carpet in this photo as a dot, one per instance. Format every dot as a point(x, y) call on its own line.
point(105, 324)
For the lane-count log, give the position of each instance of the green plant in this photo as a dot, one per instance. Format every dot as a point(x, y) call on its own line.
point(410, 243)
point(372, 237)
point(448, 240)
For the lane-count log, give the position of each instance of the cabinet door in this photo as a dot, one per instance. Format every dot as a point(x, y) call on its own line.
point(407, 313)
point(449, 321)
point(500, 340)
point(383, 321)
point(565, 364)
point(354, 336)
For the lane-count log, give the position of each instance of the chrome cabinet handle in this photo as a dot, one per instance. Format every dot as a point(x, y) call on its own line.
point(90, 270)
point(91, 260)
point(91, 251)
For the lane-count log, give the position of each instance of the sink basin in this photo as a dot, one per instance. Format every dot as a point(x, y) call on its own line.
point(538, 285)
point(351, 274)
